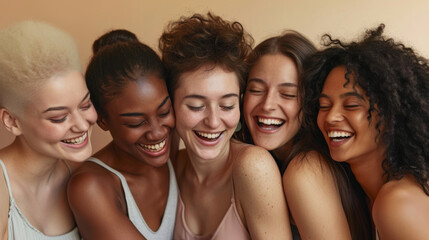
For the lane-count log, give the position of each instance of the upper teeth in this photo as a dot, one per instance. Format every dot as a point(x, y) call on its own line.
point(209, 135)
point(155, 147)
point(269, 121)
point(339, 134)
point(77, 140)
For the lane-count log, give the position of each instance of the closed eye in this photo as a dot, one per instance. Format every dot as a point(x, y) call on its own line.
point(288, 95)
point(255, 91)
point(137, 124)
point(86, 107)
point(227, 108)
point(195, 108)
point(58, 120)
point(165, 114)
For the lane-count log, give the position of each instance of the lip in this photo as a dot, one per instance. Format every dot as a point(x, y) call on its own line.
point(209, 142)
point(162, 151)
point(336, 142)
point(268, 129)
point(77, 146)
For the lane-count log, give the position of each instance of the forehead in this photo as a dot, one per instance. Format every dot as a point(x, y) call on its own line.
point(275, 69)
point(145, 92)
point(66, 89)
point(208, 81)
point(336, 81)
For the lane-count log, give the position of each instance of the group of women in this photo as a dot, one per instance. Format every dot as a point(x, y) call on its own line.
point(282, 141)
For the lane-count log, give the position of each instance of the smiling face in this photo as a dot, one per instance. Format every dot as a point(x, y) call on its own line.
point(343, 120)
point(141, 119)
point(206, 103)
point(57, 122)
point(271, 102)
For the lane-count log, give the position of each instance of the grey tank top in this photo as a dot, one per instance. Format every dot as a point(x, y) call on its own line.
point(19, 228)
point(166, 229)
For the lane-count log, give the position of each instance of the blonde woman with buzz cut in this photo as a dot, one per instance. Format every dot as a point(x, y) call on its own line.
point(45, 103)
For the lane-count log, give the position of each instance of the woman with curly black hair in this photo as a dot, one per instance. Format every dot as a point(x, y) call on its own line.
point(228, 190)
point(371, 102)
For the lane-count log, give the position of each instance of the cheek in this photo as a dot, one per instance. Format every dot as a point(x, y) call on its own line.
point(124, 134)
point(170, 121)
point(186, 119)
point(232, 119)
point(50, 132)
point(291, 109)
point(320, 121)
point(249, 103)
point(91, 115)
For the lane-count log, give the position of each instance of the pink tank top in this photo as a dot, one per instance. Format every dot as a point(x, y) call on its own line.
point(230, 227)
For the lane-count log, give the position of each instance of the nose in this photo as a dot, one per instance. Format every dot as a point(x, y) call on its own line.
point(80, 123)
point(270, 102)
point(334, 115)
point(157, 131)
point(212, 119)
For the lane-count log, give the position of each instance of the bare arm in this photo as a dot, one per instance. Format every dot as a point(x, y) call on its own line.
point(401, 211)
point(97, 208)
point(258, 188)
point(314, 200)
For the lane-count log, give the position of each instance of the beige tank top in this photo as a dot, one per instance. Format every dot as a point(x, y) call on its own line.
point(19, 228)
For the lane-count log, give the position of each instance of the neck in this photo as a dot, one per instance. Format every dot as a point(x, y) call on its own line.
point(282, 152)
point(29, 166)
point(210, 170)
point(369, 172)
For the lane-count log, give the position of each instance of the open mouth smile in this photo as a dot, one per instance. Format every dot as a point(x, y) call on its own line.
point(76, 141)
point(269, 123)
point(208, 136)
point(154, 147)
point(338, 136)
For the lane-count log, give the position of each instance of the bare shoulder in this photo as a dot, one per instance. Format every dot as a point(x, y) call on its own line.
point(91, 181)
point(308, 167)
point(308, 184)
point(252, 159)
point(258, 193)
point(401, 210)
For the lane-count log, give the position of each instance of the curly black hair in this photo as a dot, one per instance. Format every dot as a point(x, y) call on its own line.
point(192, 42)
point(396, 81)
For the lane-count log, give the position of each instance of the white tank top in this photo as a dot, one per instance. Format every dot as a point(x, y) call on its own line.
point(19, 228)
point(166, 230)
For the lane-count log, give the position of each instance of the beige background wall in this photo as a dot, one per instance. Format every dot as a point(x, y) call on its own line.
point(87, 19)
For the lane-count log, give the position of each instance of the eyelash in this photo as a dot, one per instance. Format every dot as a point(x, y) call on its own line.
point(58, 120)
point(87, 106)
point(193, 108)
point(288, 95)
point(136, 125)
point(163, 115)
point(228, 108)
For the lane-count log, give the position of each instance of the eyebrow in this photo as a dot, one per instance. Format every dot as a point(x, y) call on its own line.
point(137, 114)
point(347, 94)
point(59, 108)
point(203, 97)
point(286, 84)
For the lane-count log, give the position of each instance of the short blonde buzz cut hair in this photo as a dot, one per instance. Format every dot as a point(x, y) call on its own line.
point(32, 52)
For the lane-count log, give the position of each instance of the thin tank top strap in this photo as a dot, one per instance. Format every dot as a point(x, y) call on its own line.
point(6, 177)
point(117, 173)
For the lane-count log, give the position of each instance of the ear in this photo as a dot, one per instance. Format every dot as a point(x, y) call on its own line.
point(10, 122)
point(101, 121)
